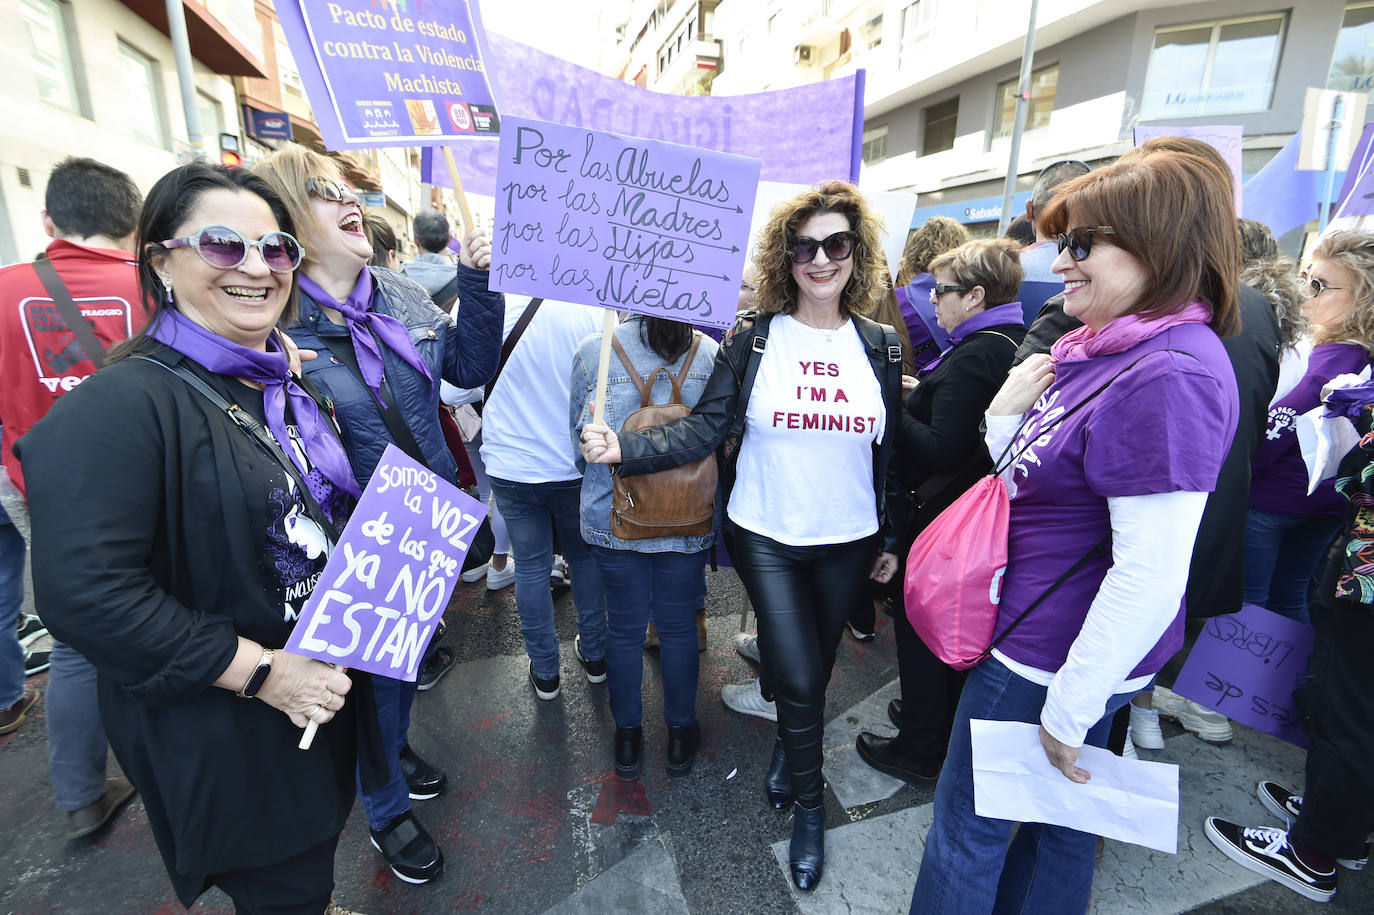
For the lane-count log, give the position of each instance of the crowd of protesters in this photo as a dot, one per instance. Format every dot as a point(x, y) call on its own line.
point(1133, 361)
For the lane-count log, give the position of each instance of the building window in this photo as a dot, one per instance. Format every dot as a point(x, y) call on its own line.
point(50, 54)
point(288, 74)
point(1213, 68)
point(940, 121)
point(1352, 66)
point(918, 19)
point(211, 117)
point(1042, 86)
point(139, 80)
point(875, 145)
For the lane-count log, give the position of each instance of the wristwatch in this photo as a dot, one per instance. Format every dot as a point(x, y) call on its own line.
point(259, 675)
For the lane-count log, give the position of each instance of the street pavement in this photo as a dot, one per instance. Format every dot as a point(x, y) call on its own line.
point(535, 821)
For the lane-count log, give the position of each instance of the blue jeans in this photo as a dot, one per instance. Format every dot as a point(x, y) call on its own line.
point(12, 551)
point(77, 748)
point(968, 867)
point(1281, 556)
point(673, 584)
point(532, 511)
point(394, 699)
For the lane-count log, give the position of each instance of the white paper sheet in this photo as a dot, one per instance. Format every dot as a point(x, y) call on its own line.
point(1128, 800)
point(1325, 440)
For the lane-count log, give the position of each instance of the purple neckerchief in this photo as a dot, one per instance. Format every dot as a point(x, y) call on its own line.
point(365, 327)
point(1123, 333)
point(996, 316)
point(1349, 402)
point(269, 369)
point(914, 301)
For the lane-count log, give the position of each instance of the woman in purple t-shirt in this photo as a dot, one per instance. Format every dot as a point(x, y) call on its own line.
point(1287, 531)
point(1117, 436)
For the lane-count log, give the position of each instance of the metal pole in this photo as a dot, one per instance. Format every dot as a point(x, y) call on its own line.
point(181, 47)
point(1330, 164)
point(1022, 106)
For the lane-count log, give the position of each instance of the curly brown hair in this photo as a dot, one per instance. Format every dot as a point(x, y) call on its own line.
point(938, 235)
point(777, 290)
point(1353, 250)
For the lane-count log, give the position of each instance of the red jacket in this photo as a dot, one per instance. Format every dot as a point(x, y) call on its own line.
point(36, 364)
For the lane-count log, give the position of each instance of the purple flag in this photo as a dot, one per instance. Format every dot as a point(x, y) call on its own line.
point(1224, 139)
point(392, 572)
point(621, 222)
point(1357, 191)
point(802, 135)
point(1246, 665)
point(398, 73)
point(1279, 195)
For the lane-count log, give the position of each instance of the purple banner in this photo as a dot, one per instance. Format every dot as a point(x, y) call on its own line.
point(1224, 139)
point(392, 572)
point(392, 72)
point(1246, 665)
point(1357, 191)
point(621, 222)
point(801, 135)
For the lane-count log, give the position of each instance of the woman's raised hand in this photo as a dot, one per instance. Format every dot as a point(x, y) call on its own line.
point(1023, 386)
point(305, 689)
point(476, 250)
point(599, 444)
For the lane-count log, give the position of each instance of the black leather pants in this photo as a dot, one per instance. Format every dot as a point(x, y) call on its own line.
point(801, 596)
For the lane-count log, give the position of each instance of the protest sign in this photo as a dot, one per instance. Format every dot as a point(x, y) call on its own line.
point(623, 223)
point(1246, 665)
point(1357, 190)
point(392, 572)
point(392, 74)
point(801, 149)
point(1224, 139)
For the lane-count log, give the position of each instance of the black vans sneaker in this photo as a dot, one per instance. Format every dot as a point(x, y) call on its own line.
point(544, 688)
point(596, 670)
point(1286, 805)
point(1267, 852)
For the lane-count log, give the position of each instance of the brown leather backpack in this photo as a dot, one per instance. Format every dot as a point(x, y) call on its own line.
point(678, 502)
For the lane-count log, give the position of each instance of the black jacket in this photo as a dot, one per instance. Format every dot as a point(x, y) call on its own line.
point(693, 437)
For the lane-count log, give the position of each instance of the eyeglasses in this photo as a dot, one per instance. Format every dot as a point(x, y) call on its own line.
point(226, 249)
point(837, 247)
point(328, 189)
point(1318, 286)
point(1079, 241)
point(941, 288)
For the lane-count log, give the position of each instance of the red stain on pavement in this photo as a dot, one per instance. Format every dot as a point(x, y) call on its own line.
point(383, 878)
point(619, 797)
point(484, 723)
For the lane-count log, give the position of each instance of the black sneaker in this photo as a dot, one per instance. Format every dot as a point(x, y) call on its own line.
point(544, 688)
point(1286, 805)
point(423, 781)
point(560, 579)
point(435, 666)
point(31, 628)
point(409, 849)
point(596, 670)
point(35, 662)
point(1266, 851)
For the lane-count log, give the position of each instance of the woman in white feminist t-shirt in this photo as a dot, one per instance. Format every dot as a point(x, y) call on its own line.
point(807, 509)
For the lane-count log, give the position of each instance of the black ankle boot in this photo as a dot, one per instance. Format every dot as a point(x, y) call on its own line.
point(627, 746)
point(806, 854)
point(778, 783)
point(683, 744)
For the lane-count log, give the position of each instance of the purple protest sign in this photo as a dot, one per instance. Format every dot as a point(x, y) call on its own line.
point(392, 73)
point(1224, 139)
point(1357, 191)
point(794, 147)
point(1246, 665)
point(392, 572)
point(621, 222)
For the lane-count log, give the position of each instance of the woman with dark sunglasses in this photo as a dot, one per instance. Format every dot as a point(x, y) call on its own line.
point(382, 347)
point(1116, 437)
point(198, 543)
point(814, 389)
point(1288, 530)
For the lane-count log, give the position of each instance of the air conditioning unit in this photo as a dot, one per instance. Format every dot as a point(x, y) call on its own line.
point(801, 54)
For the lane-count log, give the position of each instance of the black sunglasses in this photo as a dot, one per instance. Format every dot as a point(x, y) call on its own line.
point(1318, 286)
point(941, 288)
point(1079, 241)
point(328, 189)
point(226, 249)
point(837, 247)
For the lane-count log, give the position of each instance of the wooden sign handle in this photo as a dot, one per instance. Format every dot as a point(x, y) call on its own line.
point(468, 224)
point(604, 366)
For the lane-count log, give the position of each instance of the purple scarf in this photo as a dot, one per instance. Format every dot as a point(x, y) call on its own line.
point(269, 369)
point(1349, 402)
point(365, 327)
point(996, 316)
point(1122, 333)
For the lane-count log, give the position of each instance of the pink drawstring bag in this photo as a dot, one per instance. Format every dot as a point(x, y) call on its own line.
point(954, 574)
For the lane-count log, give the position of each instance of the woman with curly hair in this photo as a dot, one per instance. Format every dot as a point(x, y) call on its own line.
point(914, 283)
point(1287, 531)
point(805, 387)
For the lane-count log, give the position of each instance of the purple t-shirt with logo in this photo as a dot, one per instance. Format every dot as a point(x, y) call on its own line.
point(1164, 426)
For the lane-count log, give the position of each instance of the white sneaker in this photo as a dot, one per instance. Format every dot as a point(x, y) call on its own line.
point(500, 578)
point(1128, 751)
point(1211, 726)
point(747, 699)
point(476, 573)
point(1145, 728)
point(747, 646)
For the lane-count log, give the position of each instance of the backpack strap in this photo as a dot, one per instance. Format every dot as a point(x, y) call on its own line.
point(646, 386)
point(57, 291)
point(746, 386)
point(644, 389)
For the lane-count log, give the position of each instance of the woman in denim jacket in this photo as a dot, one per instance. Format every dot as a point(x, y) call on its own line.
point(667, 574)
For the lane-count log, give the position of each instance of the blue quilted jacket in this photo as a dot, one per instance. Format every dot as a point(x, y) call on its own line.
point(464, 354)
